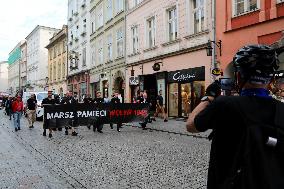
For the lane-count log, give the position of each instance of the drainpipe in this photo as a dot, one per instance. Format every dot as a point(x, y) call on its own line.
point(214, 63)
point(125, 50)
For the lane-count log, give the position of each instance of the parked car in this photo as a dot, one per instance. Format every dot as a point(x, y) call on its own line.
point(39, 97)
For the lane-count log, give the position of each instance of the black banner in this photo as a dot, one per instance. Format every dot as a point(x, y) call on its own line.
point(84, 114)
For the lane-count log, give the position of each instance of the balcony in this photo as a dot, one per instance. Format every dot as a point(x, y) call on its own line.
point(70, 19)
point(75, 13)
point(76, 39)
point(83, 33)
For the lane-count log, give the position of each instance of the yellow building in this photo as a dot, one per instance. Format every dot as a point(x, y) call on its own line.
point(57, 62)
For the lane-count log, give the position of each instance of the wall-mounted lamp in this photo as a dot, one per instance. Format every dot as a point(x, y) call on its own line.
point(209, 47)
point(132, 71)
point(156, 67)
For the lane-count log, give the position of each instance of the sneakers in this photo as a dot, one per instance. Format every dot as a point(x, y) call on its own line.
point(49, 135)
point(32, 126)
point(100, 131)
point(19, 128)
point(44, 133)
point(89, 127)
point(74, 133)
point(16, 129)
point(165, 120)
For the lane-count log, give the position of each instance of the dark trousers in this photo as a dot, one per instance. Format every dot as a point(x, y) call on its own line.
point(117, 126)
point(98, 126)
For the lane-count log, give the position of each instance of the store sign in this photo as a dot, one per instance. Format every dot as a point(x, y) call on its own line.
point(187, 75)
point(217, 71)
point(133, 81)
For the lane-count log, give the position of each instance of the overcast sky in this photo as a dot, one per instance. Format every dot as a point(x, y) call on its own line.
point(19, 17)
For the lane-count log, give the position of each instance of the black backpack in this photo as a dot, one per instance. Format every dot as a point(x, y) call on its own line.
point(259, 163)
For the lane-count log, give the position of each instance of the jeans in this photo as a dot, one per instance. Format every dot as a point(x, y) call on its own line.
point(17, 116)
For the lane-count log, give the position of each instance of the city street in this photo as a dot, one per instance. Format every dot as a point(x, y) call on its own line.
point(165, 156)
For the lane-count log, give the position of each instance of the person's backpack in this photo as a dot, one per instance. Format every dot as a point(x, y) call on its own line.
point(259, 163)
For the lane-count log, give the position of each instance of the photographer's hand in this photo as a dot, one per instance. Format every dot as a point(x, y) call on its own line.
point(190, 126)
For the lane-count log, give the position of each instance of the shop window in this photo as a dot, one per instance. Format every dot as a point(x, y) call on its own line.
point(173, 100)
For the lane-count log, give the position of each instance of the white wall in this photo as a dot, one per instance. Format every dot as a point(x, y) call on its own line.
point(4, 77)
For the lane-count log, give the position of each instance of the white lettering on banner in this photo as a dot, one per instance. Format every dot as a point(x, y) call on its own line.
point(178, 77)
point(66, 115)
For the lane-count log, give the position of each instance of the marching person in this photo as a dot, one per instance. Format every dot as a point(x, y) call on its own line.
point(46, 101)
point(69, 99)
point(115, 100)
point(160, 107)
point(8, 107)
point(235, 120)
point(17, 108)
point(97, 124)
point(32, 105)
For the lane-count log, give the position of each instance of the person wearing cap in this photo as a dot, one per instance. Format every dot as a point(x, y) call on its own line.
point(32, 105)
point(231, 117)
point(17, 109)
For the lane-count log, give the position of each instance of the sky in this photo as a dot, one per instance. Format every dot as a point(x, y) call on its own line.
point(19, 17)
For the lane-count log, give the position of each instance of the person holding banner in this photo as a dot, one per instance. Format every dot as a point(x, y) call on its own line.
point(69, 99)
point(47, 100)
point(97, 125)
point(115, 100)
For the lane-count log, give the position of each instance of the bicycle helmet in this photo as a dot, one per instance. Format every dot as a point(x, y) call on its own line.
point(256, 63)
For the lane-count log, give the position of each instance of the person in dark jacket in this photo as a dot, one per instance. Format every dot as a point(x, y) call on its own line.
point(69, 99)
point(116, 100)
point(97, 124)
point(47, 101)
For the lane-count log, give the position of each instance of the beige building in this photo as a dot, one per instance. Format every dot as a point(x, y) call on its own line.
point(107, 41)
point(23, 67)
point(57, 62)
point(166, 50)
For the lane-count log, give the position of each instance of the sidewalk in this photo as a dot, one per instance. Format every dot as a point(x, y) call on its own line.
point(19, 169)
point(173, 126)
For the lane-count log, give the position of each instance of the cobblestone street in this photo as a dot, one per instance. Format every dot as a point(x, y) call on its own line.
point(164, 156)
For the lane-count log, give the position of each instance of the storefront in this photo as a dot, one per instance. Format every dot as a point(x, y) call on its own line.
point(78, 84)
point(185, 89)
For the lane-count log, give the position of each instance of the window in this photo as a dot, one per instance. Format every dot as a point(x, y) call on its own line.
point(151, 32)
point(63, 68)
point(54, 52)
point(172, 24)
point(109, 10)
point(64, 46)
point(50, 72)
point(93, 58)
point(134, 32)
point(119, 42)
point(100, 52)
point(136, 2)
point(58, 50)
point(109, 47)
point(100, 18)
point(59, 70)
point(198, 15)
point(84, 57)
point(243, 6)
point(54, 71)
point(118, 5)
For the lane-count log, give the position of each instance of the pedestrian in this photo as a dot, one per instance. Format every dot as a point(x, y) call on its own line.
point(160, 107)
point(8, 107)
point(115, 100)
point(97, 123)
point(17, 108)
point(143, 98)
point(69, 99)
point(232, 117)
point(32, 105)
point(47, 101)
point(106, 99)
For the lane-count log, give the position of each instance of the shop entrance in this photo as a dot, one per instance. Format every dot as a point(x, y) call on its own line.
point(150, 85)
point(184, 97)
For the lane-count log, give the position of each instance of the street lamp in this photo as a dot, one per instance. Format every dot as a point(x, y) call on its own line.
point(209, 48)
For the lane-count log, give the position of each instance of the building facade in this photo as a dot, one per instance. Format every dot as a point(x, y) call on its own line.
point(23, 65)
point(240, 23)
point(57, 62)
point(14, 69)
point(37, 57)
point(166, 51)
point(107, 40)
point(4, 87)
point(78, 78)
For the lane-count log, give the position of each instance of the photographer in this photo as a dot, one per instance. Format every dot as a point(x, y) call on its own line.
point(231, 117)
